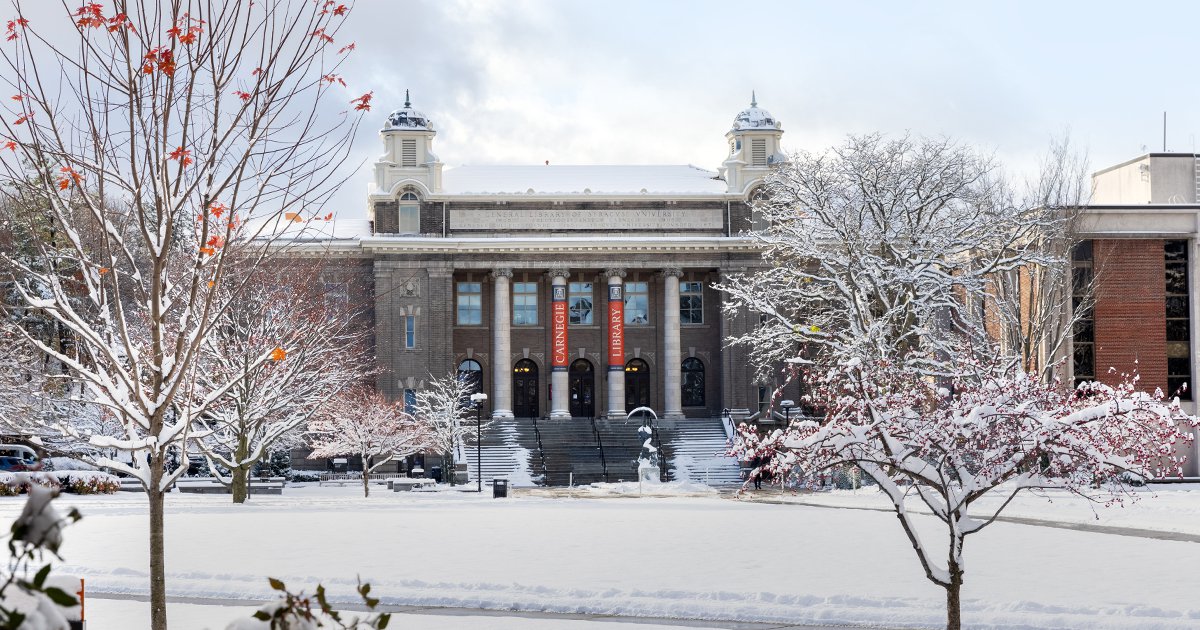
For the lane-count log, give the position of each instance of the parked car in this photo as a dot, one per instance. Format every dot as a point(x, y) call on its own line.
point(27, 456)
point(12, 464)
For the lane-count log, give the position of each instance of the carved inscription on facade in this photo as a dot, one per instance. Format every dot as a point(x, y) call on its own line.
point(506, 220)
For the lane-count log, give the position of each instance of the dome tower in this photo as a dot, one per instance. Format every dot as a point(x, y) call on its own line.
point(753, 147)
point(408, 157)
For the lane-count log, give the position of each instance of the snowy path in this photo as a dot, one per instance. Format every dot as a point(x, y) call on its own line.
point(695, 557)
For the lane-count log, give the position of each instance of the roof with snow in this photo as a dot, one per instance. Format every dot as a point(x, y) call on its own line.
point(408, 118)
point(754, 117)
point(581, 180)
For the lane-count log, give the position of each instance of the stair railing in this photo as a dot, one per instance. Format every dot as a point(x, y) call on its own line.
point(656, 442)
point(600, 446)
point(537, 435)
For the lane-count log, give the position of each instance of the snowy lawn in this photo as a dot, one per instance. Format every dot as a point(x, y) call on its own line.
point(691, 557)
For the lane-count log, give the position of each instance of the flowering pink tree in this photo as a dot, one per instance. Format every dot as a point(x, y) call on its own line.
point(987, 436)
point(365, 423)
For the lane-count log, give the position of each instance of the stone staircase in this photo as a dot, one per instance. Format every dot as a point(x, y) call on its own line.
point(509, 450)
point(696, 453)
point(571, 451)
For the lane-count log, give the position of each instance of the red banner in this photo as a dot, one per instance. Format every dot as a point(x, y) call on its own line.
point(558, 319)
point(616, 334)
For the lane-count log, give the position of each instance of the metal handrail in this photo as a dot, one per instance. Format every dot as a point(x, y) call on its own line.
point(600, 446)
point(537, 434)
point(662, 454)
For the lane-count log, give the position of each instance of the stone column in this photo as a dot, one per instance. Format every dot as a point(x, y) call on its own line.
point(559, 349)
point(502, 344)
point(672, 359)
point(616, 342)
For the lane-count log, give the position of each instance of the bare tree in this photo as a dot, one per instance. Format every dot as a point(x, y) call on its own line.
point(165, 139)
point(443, 406)
point(316, 347)
point(363, 422)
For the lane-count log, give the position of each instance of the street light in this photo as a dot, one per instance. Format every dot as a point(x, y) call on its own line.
point(787, 421)
point(478, 399)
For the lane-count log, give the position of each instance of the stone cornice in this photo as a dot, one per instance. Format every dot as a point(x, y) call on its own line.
point(573, 245)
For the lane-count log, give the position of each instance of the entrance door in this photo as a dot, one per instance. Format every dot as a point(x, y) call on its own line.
point(637, 385)
point(581, 380)
point(525, 389)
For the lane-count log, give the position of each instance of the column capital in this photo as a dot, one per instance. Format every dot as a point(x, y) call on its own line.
point(668, 272)
point(502, 271)
point(614, 272)
point(558, 271)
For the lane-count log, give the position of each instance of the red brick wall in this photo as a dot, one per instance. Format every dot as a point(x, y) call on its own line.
point(1131, 311)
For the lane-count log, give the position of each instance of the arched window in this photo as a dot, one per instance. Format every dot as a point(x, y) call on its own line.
point(471, 372)
point(410, 214)
point(693, 382)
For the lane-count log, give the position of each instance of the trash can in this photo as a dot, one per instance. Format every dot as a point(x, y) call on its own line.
point(499, 488)
point(436, 473)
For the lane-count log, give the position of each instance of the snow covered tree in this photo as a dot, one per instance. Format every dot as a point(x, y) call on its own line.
point(316, 350)
point(362, 422)
point(963, 452)
point(886, 249)
point(443, 407)
point(166, 140)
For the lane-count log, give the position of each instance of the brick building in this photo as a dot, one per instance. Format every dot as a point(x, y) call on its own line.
point(564, 291)
point(1140, 237)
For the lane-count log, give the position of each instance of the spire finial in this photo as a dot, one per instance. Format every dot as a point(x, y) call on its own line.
point(753, 99)
point(407, 103)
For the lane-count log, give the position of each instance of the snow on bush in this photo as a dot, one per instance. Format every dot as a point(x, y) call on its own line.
point(70, 481)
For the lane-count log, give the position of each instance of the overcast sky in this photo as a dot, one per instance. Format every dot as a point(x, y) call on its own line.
point(632, 82)
point(646, 82)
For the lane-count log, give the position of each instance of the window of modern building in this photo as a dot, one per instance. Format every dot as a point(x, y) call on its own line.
point(1083, 335)
point(637, 303)
point(579, 303)
point(1179, 334)
point(410, 331)
point(410, 400)
point(471, 372)
point(470, 303)
point(410, 214)
point(525, 300)
point(693, 382)
point(691, 302)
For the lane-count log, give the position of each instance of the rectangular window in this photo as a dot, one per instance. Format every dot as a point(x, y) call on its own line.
point(408, 153)
point(525, 300)
point(691, 302)
point(410, 332)
point(1083, 338)
point(410, 218)
point(637, 303)
point(470, 303)
point(579, 303)
point(758, 152)
point(337, 298)
point(1179, 333)
point(410, 400)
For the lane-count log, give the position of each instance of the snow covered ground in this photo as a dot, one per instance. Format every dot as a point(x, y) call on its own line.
point(685, 556)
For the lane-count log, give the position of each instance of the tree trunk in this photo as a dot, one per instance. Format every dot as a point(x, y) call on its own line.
point(448, 466)
point(953, 602)
point(366, 477)
point(158, 573)
point(240, 485)
point(241, 473)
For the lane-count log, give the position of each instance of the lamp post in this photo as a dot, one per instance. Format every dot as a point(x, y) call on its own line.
point(787, 421)
point(478, 399)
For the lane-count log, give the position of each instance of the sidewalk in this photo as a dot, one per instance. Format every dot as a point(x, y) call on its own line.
point(112, 612)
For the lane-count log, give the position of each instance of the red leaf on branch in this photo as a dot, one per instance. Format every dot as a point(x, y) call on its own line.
point(320, 33)
point(10, 145)
point(278, 354)
point(257, 71)
point(208, 251)
point(181, 154)
point(333, 78)
point(340, 10)
point(329, 217)
point(217, 209)
point(347, 48)
point(10, 27)
point(245, 96)
point(18, 97)
point(22, 119)
point(216, 242)
point(363, 102)
point(70, 176)
point(103, 270)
